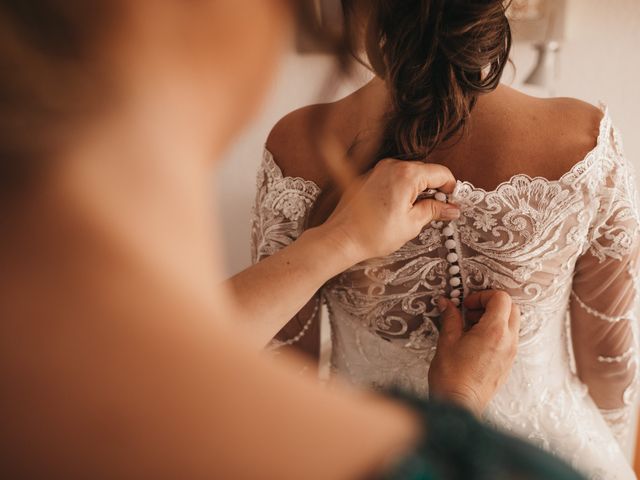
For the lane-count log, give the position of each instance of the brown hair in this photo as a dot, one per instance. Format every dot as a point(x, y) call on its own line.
point(437, 57)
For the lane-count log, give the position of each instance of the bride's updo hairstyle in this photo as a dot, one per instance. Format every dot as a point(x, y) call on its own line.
point(437, 57)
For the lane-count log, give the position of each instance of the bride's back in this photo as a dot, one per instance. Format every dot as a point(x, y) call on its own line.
point(548, 215)
point(513, 163)
point(435, 97)
point(508, 133)
point(489, 135)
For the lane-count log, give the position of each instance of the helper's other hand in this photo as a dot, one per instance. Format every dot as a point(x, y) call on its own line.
point(470, 365)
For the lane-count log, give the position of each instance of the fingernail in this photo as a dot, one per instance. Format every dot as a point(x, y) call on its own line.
point(450, 212)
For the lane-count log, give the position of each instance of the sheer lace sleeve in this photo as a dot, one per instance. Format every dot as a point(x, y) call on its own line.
point(603, 304)
point(281, 209)
point(280, 215)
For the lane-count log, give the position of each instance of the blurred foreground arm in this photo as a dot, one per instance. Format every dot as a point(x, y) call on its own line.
point(187, 399)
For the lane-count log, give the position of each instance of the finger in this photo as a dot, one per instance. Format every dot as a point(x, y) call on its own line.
point(496, 304)
point(426, 211)
point(472, 317)
point(480, 300)
point(475, 300)
point(451, 318)
point(432, 175)
point(514, 319)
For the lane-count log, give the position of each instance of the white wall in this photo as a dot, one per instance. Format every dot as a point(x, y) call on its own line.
point(599, 61)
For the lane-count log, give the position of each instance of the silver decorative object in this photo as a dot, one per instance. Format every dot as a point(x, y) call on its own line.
point(545, 71)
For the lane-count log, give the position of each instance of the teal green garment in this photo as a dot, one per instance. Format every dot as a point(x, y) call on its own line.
point(456, 446)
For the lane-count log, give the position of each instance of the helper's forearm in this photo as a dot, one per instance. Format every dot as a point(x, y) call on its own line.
point(275, 289)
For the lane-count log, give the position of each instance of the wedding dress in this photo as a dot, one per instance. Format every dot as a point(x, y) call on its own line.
point(567, 252)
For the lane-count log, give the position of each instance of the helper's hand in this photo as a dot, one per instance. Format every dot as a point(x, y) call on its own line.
point(470, 366)
point(379, 213)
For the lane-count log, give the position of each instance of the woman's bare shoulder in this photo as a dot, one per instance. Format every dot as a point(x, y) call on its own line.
point(539, 137)
point(576, 117)
point(569, 130)
point(293, 142)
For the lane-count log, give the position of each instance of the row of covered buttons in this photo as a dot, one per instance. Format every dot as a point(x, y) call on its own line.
point(455, 280)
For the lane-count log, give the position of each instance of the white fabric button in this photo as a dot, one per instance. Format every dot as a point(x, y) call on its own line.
point(452, 257)
point(455, 301)
point(450, 244)
point(441, 197)
point(454, 270)
point(454, 282)
point(448, 231)
point(456, 293)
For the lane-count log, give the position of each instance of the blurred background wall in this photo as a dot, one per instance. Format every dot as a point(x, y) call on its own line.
point(599, 60)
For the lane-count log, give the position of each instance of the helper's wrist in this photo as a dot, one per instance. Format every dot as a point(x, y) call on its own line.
point(465, 398)
point(338, 247)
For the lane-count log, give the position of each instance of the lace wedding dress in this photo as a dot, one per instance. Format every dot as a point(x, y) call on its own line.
point(566, 250)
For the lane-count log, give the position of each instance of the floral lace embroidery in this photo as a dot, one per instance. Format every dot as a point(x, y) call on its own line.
point(281, 209)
